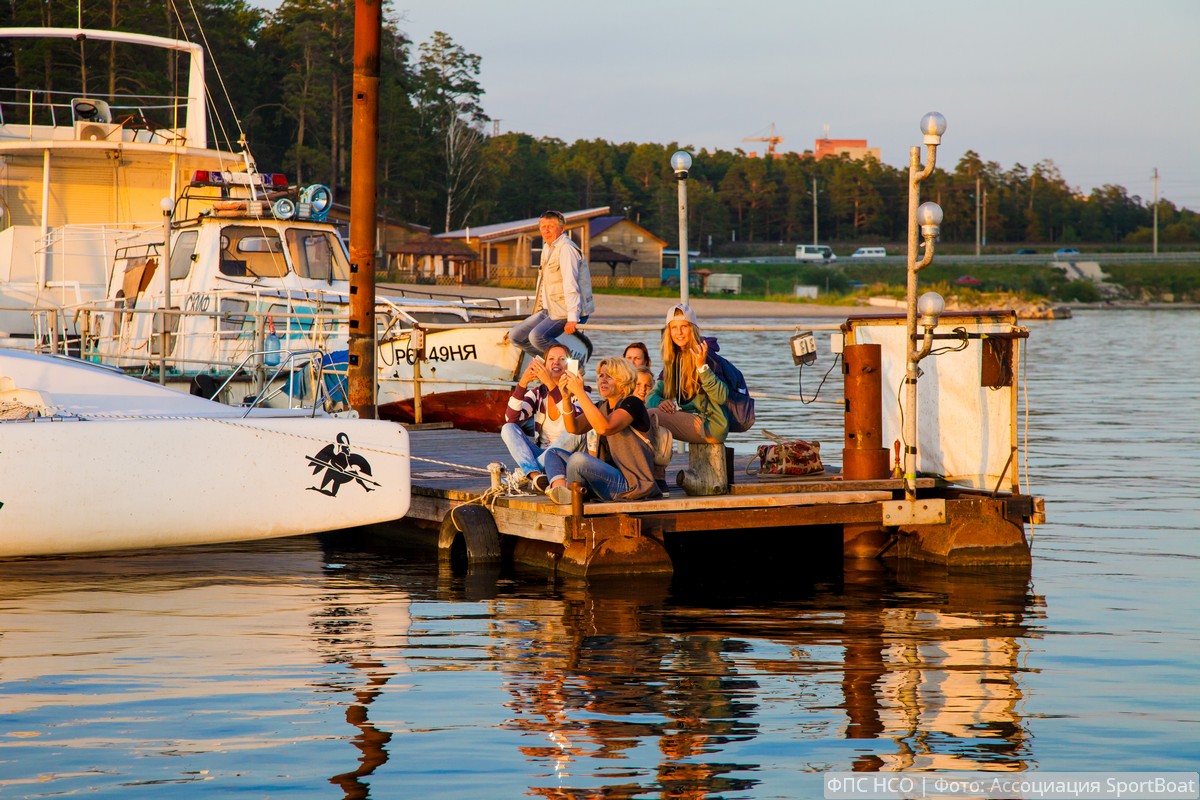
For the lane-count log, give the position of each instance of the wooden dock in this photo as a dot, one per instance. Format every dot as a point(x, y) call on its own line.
point(869, 518)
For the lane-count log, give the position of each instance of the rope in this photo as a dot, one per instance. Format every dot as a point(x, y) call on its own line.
point(241, 424)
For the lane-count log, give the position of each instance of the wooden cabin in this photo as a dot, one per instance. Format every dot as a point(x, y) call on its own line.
point(628, 249)
point(619, 251)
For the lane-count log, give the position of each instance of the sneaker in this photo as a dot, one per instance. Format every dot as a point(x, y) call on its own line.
point(540, 482)
point(560, 495)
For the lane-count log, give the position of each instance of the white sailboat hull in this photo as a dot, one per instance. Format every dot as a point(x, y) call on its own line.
point(83, 486)
point(115, 463)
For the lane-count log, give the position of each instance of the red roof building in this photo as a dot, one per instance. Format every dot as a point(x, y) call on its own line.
point(857, 149)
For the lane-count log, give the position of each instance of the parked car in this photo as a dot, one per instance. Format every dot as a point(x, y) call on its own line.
point(1066, 251)
point(1026, 251)
point(968, 280)
point(869, 252)
point(815, 252)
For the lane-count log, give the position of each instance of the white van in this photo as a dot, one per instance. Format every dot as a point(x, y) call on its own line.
point(814, 252)
point(869, 252)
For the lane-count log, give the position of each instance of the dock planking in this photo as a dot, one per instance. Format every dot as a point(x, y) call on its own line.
point(450, 471)
point(464, 450)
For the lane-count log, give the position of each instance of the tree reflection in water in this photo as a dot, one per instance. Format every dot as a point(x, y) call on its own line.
point(921, 669)
point(927, 660)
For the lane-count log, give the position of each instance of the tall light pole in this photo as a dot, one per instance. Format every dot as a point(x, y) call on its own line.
point(978, 206)
point(929, 217)
point(681, 162)
point(1156, 211)
point(814, 209)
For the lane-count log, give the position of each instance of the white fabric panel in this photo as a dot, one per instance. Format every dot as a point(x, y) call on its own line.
point(964, 430)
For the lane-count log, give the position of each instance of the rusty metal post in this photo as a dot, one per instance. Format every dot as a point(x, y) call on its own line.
point(864, 457)
point(577, 500)
point(361, 377)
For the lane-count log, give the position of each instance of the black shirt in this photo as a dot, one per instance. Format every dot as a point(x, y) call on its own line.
point(636, 409)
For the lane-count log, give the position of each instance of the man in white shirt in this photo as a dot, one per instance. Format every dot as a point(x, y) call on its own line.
point(564, 295)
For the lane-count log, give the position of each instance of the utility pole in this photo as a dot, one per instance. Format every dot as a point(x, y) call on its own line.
point(985, 217)
point(361, 378)
point(978, 204)
point(1156, 211)
point(814, 209)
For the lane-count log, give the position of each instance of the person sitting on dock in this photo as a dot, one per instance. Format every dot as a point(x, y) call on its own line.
point(638, 355)
point(564, 290)
point(535, 399)
point(623, 468)
point(687, 399)
point(645, 383)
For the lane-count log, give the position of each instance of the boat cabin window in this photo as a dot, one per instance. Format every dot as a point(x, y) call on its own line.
point(182, 251)
point(438, 318)
point(254, 252)
point(317, 255)
point(233, 317)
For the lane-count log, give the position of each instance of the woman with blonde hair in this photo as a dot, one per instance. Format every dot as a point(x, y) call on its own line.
point(623, 467)
point(688, 399)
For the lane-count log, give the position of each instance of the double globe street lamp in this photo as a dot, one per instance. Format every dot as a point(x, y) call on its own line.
point(927, 217)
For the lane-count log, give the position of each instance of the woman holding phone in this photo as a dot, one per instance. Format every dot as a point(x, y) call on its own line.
point(623, 468)
point(688, 399)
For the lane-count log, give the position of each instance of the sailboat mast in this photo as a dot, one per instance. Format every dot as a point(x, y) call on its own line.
point(364, 137)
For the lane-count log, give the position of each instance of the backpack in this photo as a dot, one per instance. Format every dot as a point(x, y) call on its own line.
point(739, 405)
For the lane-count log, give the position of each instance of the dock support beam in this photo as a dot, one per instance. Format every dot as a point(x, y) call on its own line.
point(979, 531)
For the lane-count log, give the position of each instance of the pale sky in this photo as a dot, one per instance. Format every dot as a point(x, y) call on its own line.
point(1106, 90)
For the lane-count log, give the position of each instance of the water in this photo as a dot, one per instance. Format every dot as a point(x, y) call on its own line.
point(338, 667)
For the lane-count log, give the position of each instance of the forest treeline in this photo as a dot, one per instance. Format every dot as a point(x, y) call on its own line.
point(283, 80)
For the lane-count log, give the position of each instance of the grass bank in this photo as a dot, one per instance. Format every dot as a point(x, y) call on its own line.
point(1035, 282)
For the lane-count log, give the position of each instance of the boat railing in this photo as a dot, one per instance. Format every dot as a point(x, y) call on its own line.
point(208, 345)
point(272, 387)
point(513, 303)
point(49, 108)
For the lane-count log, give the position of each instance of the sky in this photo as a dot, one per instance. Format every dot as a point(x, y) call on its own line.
point(1109, 91)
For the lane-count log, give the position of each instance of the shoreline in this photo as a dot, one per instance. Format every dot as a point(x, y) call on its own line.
point(621, 306)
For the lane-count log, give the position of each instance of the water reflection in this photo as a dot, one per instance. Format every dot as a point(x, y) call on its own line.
point(292, 665)
point(927, 666)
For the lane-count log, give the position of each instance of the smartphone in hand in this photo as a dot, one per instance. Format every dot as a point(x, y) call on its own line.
point(573, 366)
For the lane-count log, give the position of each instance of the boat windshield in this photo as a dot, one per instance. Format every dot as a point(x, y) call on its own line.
point(250, 251)
point(317, 255)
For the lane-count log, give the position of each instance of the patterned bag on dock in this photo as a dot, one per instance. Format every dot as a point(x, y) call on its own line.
point(786, 457)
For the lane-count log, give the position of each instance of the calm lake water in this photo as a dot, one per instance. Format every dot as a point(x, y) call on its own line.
point(340, 667)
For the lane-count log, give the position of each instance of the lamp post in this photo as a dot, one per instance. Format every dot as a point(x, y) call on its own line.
point(929, 217)
point(168, 206)
point(681, 162)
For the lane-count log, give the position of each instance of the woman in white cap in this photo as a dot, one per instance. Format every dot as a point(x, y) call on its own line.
point(688, 398)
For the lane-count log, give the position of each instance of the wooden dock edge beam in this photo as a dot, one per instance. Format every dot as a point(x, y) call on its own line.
point(973, 530)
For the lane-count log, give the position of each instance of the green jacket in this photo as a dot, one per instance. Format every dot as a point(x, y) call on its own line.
point(706, 404)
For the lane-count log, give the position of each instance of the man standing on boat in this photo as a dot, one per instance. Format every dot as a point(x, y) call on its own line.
point(564, 293)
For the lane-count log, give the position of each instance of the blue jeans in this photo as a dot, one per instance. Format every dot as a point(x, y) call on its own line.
point(536, 333)
point(529, 456)
point(604, 481)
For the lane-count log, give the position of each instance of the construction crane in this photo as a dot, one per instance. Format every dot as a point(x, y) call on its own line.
point(771, 141)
